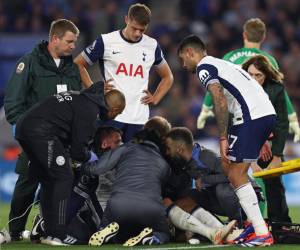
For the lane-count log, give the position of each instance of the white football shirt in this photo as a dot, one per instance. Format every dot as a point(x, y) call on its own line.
point(128, 64)
point(245, 97)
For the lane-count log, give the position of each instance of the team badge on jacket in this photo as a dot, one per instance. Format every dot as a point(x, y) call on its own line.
point(60, 160)
point(20, 67)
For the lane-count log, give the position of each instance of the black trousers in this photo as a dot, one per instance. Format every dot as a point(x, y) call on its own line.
point(220, 200)
point(49, 165)
point(22, 197)
point(275, 193)
point(133, 214)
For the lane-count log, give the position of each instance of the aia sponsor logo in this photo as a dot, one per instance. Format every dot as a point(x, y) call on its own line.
point(130, 70)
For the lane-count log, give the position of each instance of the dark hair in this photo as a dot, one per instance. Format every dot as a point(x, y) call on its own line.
point(102, 133)
point(191, 41)
point(139, 13)
point(261, 63)
point(255, 30)
point(61, 26)
point(181, 134)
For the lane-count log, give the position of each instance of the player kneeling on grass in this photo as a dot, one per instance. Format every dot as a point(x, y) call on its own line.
point(135, 207)
point(183, 158)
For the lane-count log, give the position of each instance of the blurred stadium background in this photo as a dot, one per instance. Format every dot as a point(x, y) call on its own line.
point(23, 23)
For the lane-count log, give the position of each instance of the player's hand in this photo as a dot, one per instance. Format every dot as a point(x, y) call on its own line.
point(297, 137)
point(265, 152)
point(204, 114)
point(148, 99)
point(108, 85)
point(255, 168)
point(294, 126)
point(275, 163)
point(294, 129)
point(224, 146)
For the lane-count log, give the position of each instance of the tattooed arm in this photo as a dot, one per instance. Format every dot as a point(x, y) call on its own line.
point(220, 107)
point(221, 112)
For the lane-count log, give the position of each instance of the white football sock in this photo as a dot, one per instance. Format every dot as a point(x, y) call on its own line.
point(186, 221)
point(249, 203)
point(207, 218)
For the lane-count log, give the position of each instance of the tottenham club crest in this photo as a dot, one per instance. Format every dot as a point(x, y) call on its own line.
point(60, 160)
point(144, 56)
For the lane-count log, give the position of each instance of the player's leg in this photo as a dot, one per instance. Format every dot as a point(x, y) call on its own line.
point(228, 203)
point(193, 213)
point(23, 197)
point(204, 207)
point(51, 164)
point(84, 190)
point(276, 200)
point(82, 227)
point(277, 206)
point(60, 177)
point(188, 222)
point(111, 223)
point(247, 197)
point(155, 229)
point(244, 148)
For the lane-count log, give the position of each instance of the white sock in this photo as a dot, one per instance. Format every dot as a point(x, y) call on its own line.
point(186, 221)
point(249, 203)
point(207, 218)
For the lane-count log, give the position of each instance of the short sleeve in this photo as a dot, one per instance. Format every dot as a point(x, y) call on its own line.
point(207, 74)
point(159, 57)
point(94, 52)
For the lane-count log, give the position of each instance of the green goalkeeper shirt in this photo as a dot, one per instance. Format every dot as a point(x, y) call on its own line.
point(239, 56)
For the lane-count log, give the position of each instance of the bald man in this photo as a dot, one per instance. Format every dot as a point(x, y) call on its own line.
point(52, 132)
point(115, 101)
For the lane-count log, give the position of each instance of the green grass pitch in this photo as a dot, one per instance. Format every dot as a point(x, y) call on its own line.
point(26, 245)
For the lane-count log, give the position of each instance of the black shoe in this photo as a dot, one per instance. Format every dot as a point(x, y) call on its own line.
point(38, 230)
point(16, 236)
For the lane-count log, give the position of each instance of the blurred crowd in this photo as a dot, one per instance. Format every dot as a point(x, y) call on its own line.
point(218, 22)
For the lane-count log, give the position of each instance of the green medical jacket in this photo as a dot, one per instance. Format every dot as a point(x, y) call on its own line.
point(35, 77)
